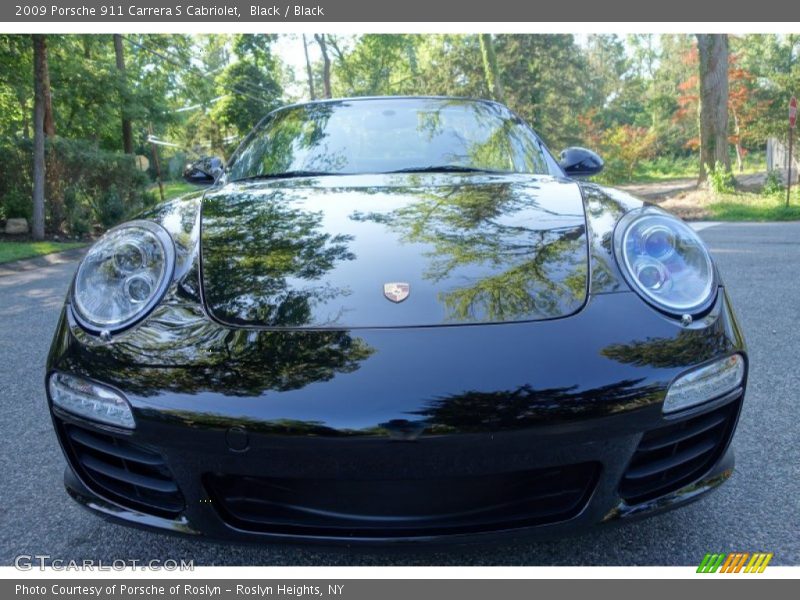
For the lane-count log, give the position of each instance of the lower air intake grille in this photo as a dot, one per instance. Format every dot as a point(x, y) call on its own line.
point(129, 474)
point(671, 457)
point(402, 508)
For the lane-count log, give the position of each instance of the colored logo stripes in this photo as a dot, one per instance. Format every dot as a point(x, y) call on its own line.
point(735, 562)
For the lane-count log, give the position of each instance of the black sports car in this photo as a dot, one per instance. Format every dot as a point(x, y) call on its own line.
point(395, 319)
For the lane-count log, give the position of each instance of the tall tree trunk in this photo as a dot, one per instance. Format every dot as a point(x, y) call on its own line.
point(739, 148)
point(490, 68)
point(713, 51)
point(54, 180)
point(326, 64)
point(39, 77)
point(311, 92)
point(49, 121)
point(127, 130)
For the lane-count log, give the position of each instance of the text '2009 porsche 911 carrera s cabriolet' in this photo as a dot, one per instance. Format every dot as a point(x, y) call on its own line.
point(395, 319)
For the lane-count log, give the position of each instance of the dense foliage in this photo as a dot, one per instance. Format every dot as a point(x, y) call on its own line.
point(634, 98)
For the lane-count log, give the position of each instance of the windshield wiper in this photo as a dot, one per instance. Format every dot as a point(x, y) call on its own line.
point(285, 175)
point(448, 169)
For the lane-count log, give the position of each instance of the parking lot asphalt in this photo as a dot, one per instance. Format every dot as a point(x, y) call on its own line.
point(757, 510)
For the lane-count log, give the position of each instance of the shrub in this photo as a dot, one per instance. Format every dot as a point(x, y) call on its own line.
point(79, 214)
point(622, 147)
point(15, 181)
point(773, 184)
point(111, 209)
point(720, 179)
point(17, 204)
point(86, 185)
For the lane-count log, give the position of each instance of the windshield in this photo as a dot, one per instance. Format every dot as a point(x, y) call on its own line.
point(389, 135)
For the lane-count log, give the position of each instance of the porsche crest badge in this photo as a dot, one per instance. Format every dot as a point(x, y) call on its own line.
point(396, 291)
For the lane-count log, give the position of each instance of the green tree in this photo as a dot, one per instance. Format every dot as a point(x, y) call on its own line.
point(251, 84)
point(659, 66)
point(494, 80)
point(773, 61)
point(375, 65)
point(450, 65)
point(197, 129)
point(545, 77)
point(16, 94)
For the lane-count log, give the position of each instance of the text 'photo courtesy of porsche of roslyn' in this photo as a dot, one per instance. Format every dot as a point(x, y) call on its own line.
point(467, 297)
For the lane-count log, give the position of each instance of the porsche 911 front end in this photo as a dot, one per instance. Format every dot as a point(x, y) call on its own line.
point(395, 319)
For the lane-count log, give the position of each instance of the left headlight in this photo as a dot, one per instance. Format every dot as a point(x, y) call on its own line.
point(124, 275)
point(665, 261)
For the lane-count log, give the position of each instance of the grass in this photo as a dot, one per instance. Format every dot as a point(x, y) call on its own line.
point(754, 207)
point(703, 205)
point(666, 168)
point(173, 189)
point(10, 251)
point(661, 169)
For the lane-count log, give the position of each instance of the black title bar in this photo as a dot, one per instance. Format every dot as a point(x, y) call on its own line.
point(331, 11)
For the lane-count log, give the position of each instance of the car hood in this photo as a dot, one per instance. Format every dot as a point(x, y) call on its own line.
point(342, 251)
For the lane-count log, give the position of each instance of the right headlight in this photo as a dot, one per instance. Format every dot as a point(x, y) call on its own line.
point(665, 261)
point(124, 275)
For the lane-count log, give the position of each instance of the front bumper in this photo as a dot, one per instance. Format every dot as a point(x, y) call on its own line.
point(206, 516)
point(570, 434)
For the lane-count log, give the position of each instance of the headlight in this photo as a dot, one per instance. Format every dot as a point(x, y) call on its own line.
point(705, 383)
point(123, 276)
point(665, 261)
point(90, 400)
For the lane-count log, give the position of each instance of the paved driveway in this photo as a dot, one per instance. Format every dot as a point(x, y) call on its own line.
point(758, 510)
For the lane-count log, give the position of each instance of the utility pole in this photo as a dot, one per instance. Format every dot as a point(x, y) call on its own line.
point(156, 161)
point(789, 169)
point(127, 130)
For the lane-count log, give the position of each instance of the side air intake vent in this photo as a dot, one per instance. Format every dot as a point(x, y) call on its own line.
point(673, 456)
point(127, 473)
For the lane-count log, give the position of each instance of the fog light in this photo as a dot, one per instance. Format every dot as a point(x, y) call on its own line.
point(705, 383)
point(90, 400)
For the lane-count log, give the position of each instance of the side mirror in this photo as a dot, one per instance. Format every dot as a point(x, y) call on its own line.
point(580, 162)
point(205, 171)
